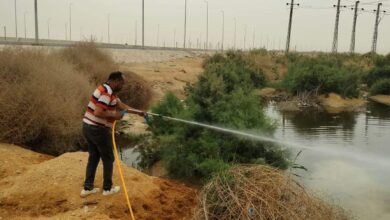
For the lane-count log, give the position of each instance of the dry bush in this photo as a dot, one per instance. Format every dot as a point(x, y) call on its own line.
point(97, 65)
point(90, 60)
point(136, 92)
point(44, 94)
point(42, 100)
point(261, 192)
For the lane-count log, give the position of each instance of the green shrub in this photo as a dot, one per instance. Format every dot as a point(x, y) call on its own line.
point(377, 73)
point(381, 61)
point(323, 74)
point(209, 167)
point(222, 96)
point(381, 86)
point(261, 52)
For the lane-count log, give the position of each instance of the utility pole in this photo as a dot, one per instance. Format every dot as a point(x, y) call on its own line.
point(25, 28)
point(292, 4)
point(223, 28)
point(207, 24)
point(5, 33)
point(377, 20)
point(336, 27)
point(143, 23)
point(352, 47)
point(36, 21)
point(185, 23)
point(16, 22)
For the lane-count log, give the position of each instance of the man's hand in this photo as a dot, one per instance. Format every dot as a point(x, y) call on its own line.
point(118, 115)
point(123, 112)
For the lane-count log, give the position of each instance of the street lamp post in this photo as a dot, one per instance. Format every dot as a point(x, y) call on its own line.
point(223, 28)
point(16, 22)
point(135, 32)
point(143, 23)
point(174, 38)
point(235, 32)
point(158, 35)
point(70, 21)
point(66, 31)
point(108, 28)
point(25, 28)
point(185, 23)
point(245, 38)
point(207, 24)
point(36, 21)
point(48, 28)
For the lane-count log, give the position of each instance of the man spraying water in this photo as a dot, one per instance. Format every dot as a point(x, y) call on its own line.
point(103, 109)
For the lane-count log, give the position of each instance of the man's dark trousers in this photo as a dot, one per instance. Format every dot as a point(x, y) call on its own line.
point(99, 146)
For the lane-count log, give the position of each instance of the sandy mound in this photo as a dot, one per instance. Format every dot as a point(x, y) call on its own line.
point(16, 160)
point(383, 99)
point(50, 189)
point(334, 103)
point(266, 92)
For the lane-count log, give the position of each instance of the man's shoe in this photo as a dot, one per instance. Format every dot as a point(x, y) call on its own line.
point(113, 190)
point(85, 193)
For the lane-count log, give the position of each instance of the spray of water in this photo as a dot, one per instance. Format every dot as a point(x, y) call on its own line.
point(330, 151)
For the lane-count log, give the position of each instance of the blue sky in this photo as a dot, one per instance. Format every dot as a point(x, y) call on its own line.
point(265, 22)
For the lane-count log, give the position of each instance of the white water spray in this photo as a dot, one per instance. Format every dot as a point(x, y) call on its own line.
point(331, 151)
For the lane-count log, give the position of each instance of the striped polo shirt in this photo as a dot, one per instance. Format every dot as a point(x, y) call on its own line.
point(105, 99)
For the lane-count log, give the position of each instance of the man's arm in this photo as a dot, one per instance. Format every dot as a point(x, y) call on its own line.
point(123, 106)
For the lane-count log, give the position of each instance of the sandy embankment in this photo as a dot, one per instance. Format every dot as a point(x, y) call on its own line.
point(383, 99)
point(36, 186)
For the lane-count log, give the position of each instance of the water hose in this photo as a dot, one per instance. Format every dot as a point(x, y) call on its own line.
point(120, 170)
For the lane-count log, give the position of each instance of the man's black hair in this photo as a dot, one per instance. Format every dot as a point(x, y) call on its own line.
point(116, 76)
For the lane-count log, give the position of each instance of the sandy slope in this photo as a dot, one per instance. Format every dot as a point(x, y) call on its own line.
point(384, 99)
point(167, 76)
point(48, 188)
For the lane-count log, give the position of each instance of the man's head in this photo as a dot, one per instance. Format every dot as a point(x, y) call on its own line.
point(116, 81)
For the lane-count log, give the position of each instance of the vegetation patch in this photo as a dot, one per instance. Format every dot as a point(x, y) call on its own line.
point(44, 94)
point(224, 95)
point(322, 74)
point(261, 192)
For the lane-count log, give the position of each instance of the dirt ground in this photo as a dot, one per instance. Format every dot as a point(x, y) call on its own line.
point(167, 76)
point(36, 186)
point(334, 103)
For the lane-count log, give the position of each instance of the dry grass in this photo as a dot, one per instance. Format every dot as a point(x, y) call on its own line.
point(136, 92)
point(42, 99)
point(91, 61)
point(96, 65)
point(44, 94)
point(261, 192)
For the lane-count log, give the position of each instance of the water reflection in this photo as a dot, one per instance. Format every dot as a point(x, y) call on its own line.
point(355, 172)
point(314, 121)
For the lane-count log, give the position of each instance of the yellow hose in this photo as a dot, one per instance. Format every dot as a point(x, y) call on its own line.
point(120, 170)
